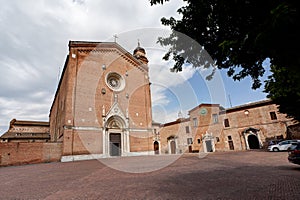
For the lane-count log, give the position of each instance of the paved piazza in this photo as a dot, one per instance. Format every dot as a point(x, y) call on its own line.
point(220, 175)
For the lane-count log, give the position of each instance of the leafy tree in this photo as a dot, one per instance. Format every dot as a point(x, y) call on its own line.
point(284, 89)
point(239, 35)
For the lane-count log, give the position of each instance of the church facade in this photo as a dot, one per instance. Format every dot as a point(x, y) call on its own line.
point(102, 106)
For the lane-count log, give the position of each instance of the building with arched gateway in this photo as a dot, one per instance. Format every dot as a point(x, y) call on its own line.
point(210, 127)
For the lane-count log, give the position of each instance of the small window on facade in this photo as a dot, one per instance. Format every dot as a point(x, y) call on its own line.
point(226, 122)
point(190, 141)
point(195, 121)
point(229, 137)
point(215, 118)
point(187, 129)
point(199, 140)
point(218, 139)
point(273, 115)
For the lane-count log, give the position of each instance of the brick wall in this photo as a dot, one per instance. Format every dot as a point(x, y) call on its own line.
point(141, 141)
point(176, 129)
point(27, 153)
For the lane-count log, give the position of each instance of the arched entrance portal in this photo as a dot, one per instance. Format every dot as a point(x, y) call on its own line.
point(208, 142)
point(252, 138)
point(156, 147)
point(115, 137)
point(172, 144)
point(253, 142)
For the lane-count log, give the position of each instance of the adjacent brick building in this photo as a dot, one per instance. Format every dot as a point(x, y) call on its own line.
point(176, 137)
point(213, 128)
point(27, 131)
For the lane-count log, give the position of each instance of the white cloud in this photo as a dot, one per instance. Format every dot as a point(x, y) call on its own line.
point(25, 110)
point(34, 41)
point(163, 116)
point(158, 96)
point(170, 91)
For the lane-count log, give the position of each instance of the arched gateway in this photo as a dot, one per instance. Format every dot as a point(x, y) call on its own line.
point(253, 142)
point(172, 144)
point(114, 128)
point(252, 138)
point(116, 136)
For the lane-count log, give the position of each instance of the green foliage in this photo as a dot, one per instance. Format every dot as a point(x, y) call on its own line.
point(239, 36)
point(284, 88)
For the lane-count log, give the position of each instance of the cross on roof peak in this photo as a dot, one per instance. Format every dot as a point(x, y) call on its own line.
point(115, 37)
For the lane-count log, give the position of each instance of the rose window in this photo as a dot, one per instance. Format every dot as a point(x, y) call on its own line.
point(115, 81)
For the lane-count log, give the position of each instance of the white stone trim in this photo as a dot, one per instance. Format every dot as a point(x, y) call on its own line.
point(84, 128)
point(98, 156)
point(81, 157)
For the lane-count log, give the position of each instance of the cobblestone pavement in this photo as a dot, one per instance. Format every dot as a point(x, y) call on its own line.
point(220, 175)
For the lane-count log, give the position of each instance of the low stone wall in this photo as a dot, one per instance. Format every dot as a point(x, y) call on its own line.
point(26, 153)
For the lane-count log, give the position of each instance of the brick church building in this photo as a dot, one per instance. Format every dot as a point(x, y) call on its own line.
point(102, 106)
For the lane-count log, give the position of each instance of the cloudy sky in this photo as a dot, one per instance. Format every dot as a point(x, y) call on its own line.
point(34, 40)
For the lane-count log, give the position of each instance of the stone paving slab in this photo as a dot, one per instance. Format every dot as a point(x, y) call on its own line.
point(220, 175)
